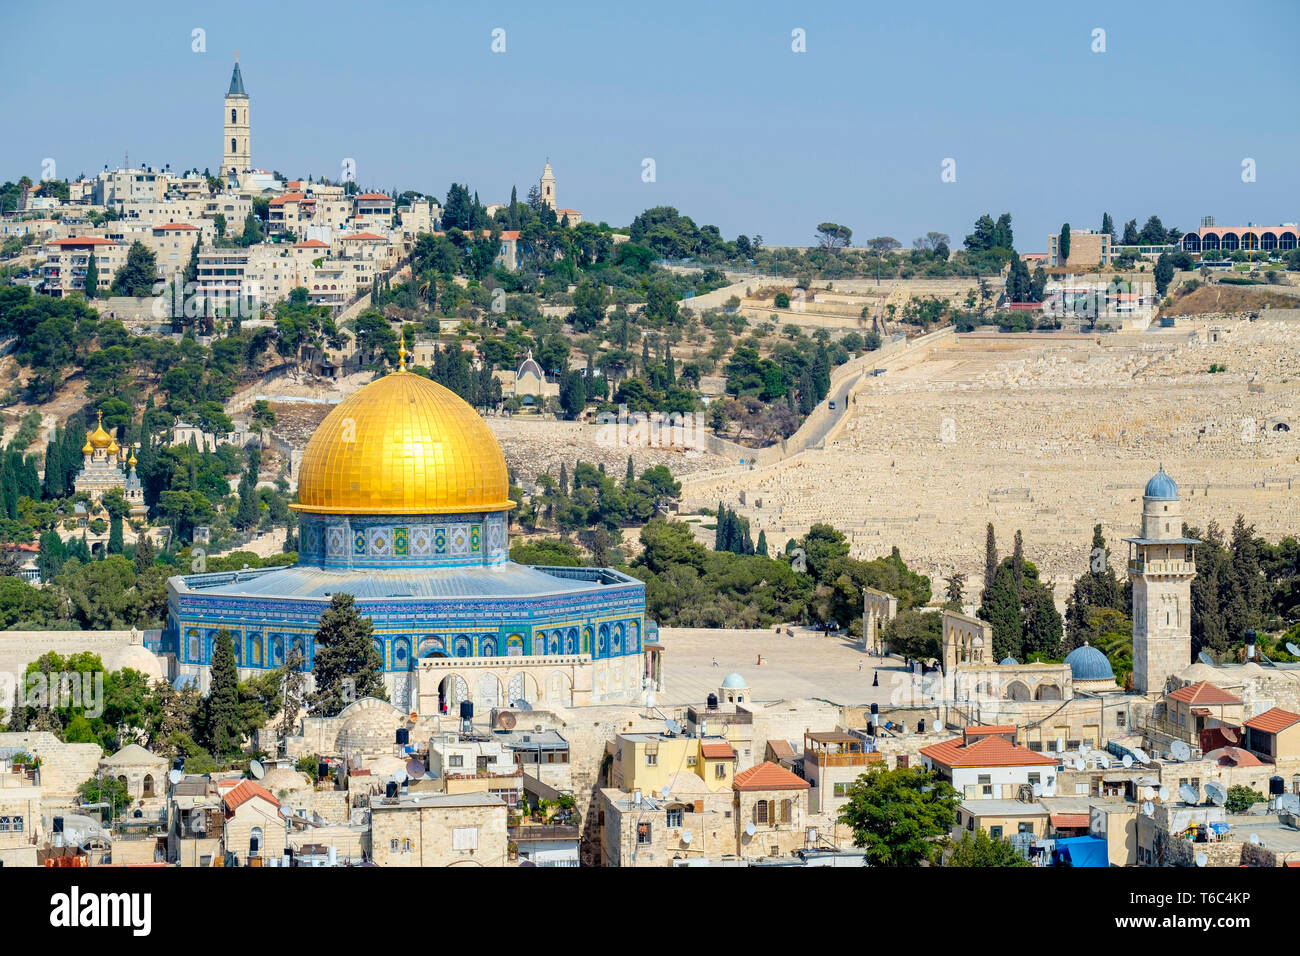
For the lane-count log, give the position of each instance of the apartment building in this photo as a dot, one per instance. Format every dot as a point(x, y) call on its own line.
point(66, 261)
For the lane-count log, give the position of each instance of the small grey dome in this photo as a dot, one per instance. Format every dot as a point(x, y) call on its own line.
point(1161, 487)
point(1088, 663)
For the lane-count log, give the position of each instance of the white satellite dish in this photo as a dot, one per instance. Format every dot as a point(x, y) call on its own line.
point(687, 836)
point(665, 791)
point(1205, 658)
point(1140, 755)
point(1148, 809)
point(935, 726)
point(1292, 649)
point(256, 769)
point(1080, 764)
point(400, 777)
point(1083, 749)
point(1128, 761)
point(750, 829)
point(1164, 794)
point(1202, 859)
point(1180, 750)
point(1191, 795)
point(1148, 793)
point(176, 776)
point(1037, 789)
point(1218, 796)
point(673, 726)
point(1103, 761)
point(1254, 838)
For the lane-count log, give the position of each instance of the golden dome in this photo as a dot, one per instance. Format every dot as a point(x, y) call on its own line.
point(112, 447)
point(100, 438)
point(403, 445)
point(87, 448)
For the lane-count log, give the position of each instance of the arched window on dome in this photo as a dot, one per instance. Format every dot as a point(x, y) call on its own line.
point(401, 654)
point(515, 645)
point(616, 640)
point(487, 646)
point(463, 646)
point(571, 642)
point(602, 641)
point(586, 640)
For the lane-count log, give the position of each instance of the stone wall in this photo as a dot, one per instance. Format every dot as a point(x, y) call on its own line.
point(64, 767)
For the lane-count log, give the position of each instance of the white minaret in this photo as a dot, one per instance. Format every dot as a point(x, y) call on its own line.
point(1161, 566)
point(548, 185)
point(237, 148)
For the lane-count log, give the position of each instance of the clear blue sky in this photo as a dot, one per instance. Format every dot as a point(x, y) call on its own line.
point(745, 133)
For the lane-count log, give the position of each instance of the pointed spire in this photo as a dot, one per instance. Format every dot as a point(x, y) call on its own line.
point(236, 80)
point(401, 350)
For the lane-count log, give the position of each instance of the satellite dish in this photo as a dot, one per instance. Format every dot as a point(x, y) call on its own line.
point(750, 829)
point(1148, 793)
point(400, 777)
point(414, 768)
point(1164, 794)
point(507, 720)
point(935, 726)
point(1103, 761)
point(1148, 809)
point(1205, 658)
point(687, 836)
point(1202, 859)
point(1190, 795)
point(1060, 743)
point(665, 791)
point(1128, 761)
point(176, 776)
point(673, 726)
point(1254, 838)
point(1083, 749)
point(521, 704)
point(1218, 796)
point(1180, 750)
point(1140, 755)
point(256, 769)
point(1292, 649)
point(1080, 764)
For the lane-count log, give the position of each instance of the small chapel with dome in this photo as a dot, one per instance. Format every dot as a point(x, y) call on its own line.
point(403, 501)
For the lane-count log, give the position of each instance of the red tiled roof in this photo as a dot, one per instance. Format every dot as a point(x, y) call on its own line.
point(985, 752)
point(83, 241)
point(312, 243)
point(367, 237)
point(1274, 720)
point(1069, 820)
point(174, 225)
point(781, 748)
point(510, 234)
point(991, 729)
point(244, 791)
point(769, 776)
point(1234, 757)
point(1203, 692)
point(717, 751)
point(566, 210)
point(287, 197)
point(374, 196)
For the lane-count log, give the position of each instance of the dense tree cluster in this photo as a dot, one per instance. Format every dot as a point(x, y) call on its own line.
point(1020, 607)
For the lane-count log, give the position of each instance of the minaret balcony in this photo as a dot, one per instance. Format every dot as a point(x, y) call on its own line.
point(1162, 566)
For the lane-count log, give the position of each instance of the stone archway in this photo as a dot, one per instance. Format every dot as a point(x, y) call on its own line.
point(1017, 690)
point(1048, 691)
point(487, 691)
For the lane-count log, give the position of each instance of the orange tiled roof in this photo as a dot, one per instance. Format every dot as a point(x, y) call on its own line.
point(991, 729)
point(174, 225)
point(83, 241)
point(287, 197)
point(244, 791)
point(1234, 757)
point(769, 776)
point(985, 752)
point(717, 751)
point(375, 196)
point(1203, 692)
point(1070, 820)
point(312, 243)
point(367, 237)
point(1274, 720)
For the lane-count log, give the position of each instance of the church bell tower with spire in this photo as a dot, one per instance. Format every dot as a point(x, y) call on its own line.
point(237, 149)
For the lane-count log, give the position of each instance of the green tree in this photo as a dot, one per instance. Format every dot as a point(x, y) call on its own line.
point(1063, 244)
point(1163, 273)
point(347, 664)
point(92, 277)
point(980, 849)
point(900, 816)
point(1241, 798)
point(138, 275)
point(222, 712)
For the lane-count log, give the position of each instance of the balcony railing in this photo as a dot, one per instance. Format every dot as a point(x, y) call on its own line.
point(539, 832)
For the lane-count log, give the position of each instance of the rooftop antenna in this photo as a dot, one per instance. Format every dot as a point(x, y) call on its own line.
point(1218, 796)
point(1140, 755)
point(1164, 794)
point(1190, 795)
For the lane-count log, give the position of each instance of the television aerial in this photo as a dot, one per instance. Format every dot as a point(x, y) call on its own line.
point(1205, 658)
point(1218, 796)
point(256, 769)
point(1148, 809)
point(1293, 649)
point(1128, 761)
point(673, 726)
point(1190, 795)
point(1180, 750)
point(1202, 859)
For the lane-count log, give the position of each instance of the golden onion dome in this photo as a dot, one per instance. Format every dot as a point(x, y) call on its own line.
point(403, 445)
point(100, 438)
point(112, 447)
point(87, 448)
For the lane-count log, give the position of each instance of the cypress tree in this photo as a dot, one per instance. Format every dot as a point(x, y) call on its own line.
point(564, 480)
point(222, 721)
point(761, 547)
point(347, 665)
point(115, 534)
point(720, 531)
point(92, 278)
point(990, 561)
point(144, 553)
point(52, 486)
point(630, 478)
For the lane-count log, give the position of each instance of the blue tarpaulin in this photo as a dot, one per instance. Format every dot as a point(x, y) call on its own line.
point(1083, 851)
point(1220, 827)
